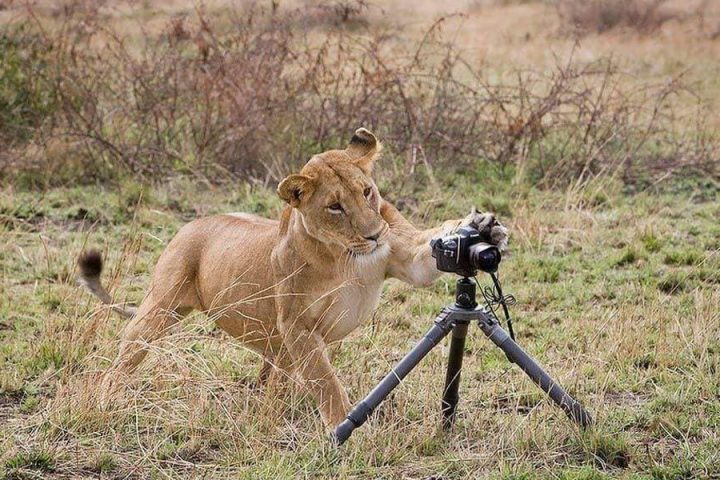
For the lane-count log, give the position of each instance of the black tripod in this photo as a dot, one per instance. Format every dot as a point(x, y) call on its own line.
point(456, 318)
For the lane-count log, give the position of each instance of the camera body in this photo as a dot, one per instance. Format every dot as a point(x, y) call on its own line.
point(464, 253)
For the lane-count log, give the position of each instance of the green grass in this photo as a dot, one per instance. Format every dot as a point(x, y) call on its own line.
point(617, 298)
point(29, 464)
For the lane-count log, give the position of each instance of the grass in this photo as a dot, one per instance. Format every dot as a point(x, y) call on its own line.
point(26, 465)
point(616, 298)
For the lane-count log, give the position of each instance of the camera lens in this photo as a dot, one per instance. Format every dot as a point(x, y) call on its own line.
point(484, 257)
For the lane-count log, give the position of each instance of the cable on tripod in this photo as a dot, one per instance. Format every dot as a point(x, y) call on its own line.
point(494, 296)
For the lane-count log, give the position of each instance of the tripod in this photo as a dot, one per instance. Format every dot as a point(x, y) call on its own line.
point(456, 318)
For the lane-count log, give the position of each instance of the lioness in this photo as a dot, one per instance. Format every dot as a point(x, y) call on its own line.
point(286, 288)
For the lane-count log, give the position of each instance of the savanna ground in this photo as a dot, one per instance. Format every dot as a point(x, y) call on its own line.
point(605, 170)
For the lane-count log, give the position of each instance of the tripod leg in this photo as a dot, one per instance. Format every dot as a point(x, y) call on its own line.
point(517, 355)
point(452, 377)
point(360, 413)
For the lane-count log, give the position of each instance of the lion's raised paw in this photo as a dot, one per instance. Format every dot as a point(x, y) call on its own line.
point(489, 227)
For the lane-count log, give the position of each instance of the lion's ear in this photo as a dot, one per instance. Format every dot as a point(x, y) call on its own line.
point(294, 188)
point(363, 149)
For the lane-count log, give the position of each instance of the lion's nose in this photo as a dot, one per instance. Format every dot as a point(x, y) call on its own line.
point(373, 237)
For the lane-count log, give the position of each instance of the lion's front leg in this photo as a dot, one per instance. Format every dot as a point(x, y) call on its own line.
point(412, 260)
point(310, 359)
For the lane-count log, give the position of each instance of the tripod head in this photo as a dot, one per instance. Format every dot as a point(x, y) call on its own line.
point(465, 298)
point(465, 290)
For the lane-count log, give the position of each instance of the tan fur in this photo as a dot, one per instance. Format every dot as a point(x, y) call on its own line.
point(288, 288)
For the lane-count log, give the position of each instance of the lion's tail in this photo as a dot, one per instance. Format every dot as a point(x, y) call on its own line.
point(91, 265)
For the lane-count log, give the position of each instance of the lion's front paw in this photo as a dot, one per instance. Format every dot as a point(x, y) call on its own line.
point(492, 231)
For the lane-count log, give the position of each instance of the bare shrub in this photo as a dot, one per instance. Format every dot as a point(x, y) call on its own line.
point(257, 98)
point(591, 120)
point(602, 15)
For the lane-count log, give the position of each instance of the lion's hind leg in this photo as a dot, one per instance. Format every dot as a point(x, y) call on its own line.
point(155, 317)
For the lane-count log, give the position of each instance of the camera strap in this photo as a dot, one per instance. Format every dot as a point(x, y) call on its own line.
point(493, 295)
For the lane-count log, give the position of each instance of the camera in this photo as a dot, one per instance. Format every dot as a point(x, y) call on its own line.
point(464, 253)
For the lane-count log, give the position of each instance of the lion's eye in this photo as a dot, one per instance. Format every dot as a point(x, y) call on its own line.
point(367, 192)
point(335, 208)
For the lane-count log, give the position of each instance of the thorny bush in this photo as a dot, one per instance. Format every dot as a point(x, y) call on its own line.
point(253, 95)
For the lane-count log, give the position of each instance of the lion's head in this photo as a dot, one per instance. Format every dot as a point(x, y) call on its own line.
point(338, 199)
